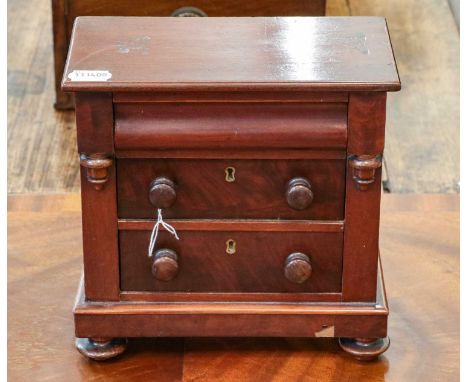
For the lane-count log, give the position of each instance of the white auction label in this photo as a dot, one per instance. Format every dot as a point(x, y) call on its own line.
point(90, 75)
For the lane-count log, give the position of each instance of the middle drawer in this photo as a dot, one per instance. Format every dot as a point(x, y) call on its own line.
point(231, 188)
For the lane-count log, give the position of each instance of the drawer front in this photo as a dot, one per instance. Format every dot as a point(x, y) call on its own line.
point(151, 126)
point(229, 189)
point(233, 261)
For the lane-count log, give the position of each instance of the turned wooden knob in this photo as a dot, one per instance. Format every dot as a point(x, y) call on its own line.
point(297, 267)
point(299, 193)
point(188, 12)
point(165, 264)
point(162, 193)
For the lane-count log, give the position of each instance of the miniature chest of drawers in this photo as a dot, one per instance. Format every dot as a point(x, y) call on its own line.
point(255, 147)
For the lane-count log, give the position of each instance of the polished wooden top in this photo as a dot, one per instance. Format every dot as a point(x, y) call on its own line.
point(420, 258)
point(281, 53)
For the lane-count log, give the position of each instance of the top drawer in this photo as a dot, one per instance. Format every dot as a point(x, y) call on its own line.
point(230, 125)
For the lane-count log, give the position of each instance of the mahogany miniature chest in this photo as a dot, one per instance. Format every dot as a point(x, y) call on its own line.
point(230, 174)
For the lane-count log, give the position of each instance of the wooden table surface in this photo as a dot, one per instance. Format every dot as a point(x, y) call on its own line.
point(420, 256)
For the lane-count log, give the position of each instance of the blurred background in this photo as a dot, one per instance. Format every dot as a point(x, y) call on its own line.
point(422, 142)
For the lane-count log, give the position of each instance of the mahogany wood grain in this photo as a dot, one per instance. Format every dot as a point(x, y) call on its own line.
point(234, 154)
point(219, 125)
point(214, 96)
point(177, 325)
point(155, 54)
point(257, 265)
point(94, 123)
point(61, 41)
point(216, 326)
point(366, 123)
point(52, 224)
point(264, 308)
point(238, 225)
point(100, 247)
point(209, 319)
point(211, 7)
point(64, 13)
point(366, 129)
point(228, 297)
point(258, 191)
point(99, 206)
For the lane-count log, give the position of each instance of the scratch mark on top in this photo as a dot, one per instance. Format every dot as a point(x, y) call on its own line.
point(137, 44)
point(360, 43)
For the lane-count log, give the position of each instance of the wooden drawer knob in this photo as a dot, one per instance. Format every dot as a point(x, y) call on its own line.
point(162, 193)
point(299, 193)
point(188, 12)
point(297, 267)
point(165, 264)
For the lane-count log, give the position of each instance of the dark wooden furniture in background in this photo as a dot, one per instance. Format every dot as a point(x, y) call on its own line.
point(261, 140)
point(64, 13)
point(419, 231)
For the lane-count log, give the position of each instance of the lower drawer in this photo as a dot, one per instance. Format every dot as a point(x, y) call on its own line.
point(232, 260)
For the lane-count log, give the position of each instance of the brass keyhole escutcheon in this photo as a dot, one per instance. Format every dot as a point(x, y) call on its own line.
point(230, 174)
point(230, 247)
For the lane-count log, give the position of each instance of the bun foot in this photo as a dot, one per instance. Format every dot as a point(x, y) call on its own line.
point(101, 349)
point(364, 349)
